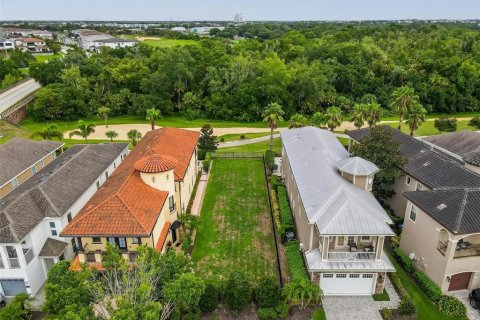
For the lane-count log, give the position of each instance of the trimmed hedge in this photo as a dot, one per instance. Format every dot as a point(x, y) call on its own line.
point(397, 283)
point(404, 260)
point(270, 160)
point(452, 307)
point(275, 182)
point(428, 286)
point(276, 210)
point(286, 216)
point(295, 262)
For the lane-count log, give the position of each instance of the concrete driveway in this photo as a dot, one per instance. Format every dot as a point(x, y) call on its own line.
point(462, 295)
point(351, 307)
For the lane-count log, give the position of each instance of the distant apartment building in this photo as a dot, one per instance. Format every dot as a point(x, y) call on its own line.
point(6, 44)
point(20, 159)
point(14, 32)
point(33, 45)
point(94, 40)
point(33, 215)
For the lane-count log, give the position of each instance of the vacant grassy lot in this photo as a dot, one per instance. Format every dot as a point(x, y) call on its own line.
point(168, 43)
point(40, 58)
point(427, 128)
point(235, 231)
point(250, 135)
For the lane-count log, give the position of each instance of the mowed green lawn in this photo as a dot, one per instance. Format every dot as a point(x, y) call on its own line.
point(168, 43)
point(235, 231)
point(43, 58)
point(254, 147)
point(427, 128)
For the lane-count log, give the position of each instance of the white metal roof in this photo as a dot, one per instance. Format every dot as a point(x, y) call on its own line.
point(333, 204)
point(357, 166)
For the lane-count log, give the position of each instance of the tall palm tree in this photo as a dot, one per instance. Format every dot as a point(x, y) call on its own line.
point(416, 117)
point(374, 112)
point(103, 113)
point(273, 114)
point(111, 134)
point(359, 115)
point(83, 130)
point(333, 117)
point(318, 119)
point(49, 132)
point(402, 100)
point(152, 115)
point(134, 135)
point(297, 121)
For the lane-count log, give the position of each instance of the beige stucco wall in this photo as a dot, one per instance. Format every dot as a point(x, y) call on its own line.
point(185, 187)
point(398, 202)
point(422, 236)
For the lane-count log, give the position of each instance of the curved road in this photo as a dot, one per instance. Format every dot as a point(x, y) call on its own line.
point(17, 93)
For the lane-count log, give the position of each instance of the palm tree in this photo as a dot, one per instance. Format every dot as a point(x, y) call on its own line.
point(415, 117)
point(402, 100)
point(49, 132)
point(374, 112)
point(152, 115)
point(302, 292)
point(134, 135)
point(318, 119)
point(333, 117)
point(273, 114)
point(83, 130)
point(297, 121)
point(359, 115)
point(111, 134)
point(103, 113)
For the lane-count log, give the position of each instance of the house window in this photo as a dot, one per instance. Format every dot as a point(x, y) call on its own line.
point(328, 275)
point(341, 275)
point(367, 276)
point(419, 186)
point(96, 240)
point(14, 183)
point(34, 169)
point(42, 163)
point(351, 240)
point(413, 213)
point(69, 217)
point(408, 180)
point(122, 243)
point(53, 228)
point(354, 275)
point(98, 184)
point(340, 241)
point(137, 240)
point(171, 203)
point(106, 174)
point(365, 238)
point(111, 240)
point(114, 165)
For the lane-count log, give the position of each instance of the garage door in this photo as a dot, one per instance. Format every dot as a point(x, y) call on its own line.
point(13, 287)
point(459, 281)
point(347, 283)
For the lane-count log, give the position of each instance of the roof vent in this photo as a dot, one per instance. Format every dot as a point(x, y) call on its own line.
point(426, 164)
point(441, 206)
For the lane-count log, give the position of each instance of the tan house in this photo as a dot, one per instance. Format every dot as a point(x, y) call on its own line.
point(341, 226)
point(140, 203)
point(439, 198)
point(22, 158)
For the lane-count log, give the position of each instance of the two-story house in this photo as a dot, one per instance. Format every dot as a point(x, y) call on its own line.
point(22, 158)
point(33, 215)
point(6, 44)
point(140, 203)
point(33, 45)
point(439, 199)
point(341, 226)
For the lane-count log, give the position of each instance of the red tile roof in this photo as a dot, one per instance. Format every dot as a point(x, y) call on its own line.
point(155, 163)
point(162, 237)
point(125, 205)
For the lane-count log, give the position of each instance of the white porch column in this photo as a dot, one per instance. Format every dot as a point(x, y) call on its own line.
point(379, 248)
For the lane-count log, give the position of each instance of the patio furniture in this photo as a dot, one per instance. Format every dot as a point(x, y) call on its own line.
point(367, 249)
point(353, 247)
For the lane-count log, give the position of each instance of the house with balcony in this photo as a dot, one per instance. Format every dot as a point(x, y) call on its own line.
point(339, 223)
point(33, 215)
point(20, 159)
point(139, 205)
point(32, 45)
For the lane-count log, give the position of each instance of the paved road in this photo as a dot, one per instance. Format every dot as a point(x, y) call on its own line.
point(15, 94)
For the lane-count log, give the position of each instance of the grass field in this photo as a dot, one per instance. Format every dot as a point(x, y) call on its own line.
point(254, 147)
point(9, 131)
point(168, 43)
point(233, 137)
point(235, 231)
point(49, 57)
point(438, 115)
point(427, 128)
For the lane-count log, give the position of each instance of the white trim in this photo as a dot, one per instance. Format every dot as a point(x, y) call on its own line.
point(410, 213)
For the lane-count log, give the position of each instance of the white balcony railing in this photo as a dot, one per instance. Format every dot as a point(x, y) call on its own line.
point(351, 256)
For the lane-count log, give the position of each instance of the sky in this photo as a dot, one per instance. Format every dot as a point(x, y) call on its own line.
point(181, 10)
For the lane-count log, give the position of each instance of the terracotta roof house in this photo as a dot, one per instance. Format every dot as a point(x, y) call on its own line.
point(440, 200)
point(22, 158)
point(340, 224)
point(33, 215)
point(140, 202)
point(465, 144)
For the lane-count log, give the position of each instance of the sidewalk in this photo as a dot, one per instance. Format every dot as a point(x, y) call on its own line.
point(202, 187)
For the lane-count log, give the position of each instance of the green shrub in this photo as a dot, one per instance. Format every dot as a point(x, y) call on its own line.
point(267, 293)
point(267, 313)
point(201, 154)
point(222, 139)
point(283, 310)
point(406, 305)
point(452, 307)
point(238, 292)
point(275, 209)
point(242, 137)
point(319, 314)
point(270, 159)
point(295, 263)
point(275, 183)
point(209, 300)
point(394, 242)
point(286, 216)
point(386, 313)
point(404, 260)
point(428, 286)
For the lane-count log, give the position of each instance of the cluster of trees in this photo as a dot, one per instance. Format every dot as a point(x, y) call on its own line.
point(10, 63)
point(306, 70)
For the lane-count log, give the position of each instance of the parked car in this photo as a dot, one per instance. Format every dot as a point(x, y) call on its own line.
point(474, 297)
point(2, 300)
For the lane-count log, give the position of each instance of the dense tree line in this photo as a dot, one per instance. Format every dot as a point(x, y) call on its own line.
point(306, 70)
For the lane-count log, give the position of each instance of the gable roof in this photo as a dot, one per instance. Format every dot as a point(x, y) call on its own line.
point(54, 189)
point(458, 210)
point(125, 205)
point(333, 204)
point(18, 154)
point(464, 143)
point(357, 166)
point(432, 167)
